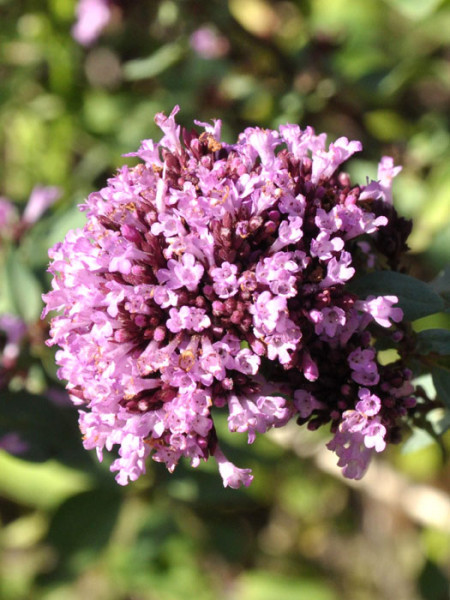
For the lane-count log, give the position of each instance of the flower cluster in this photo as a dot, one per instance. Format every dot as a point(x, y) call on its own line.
point(212, 277)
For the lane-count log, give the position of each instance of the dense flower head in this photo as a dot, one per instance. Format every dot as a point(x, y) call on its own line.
point(213, 277)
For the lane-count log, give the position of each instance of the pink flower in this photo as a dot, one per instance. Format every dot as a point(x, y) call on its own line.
point(41, 198)
point(212, 278)
point(208, 43)
point(232, 476)
point(305, 403)
point(386, 173)
point(186, 273)
point(381, 309)
point(92, 18)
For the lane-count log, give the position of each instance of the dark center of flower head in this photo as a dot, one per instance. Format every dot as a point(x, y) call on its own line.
point(214, 274)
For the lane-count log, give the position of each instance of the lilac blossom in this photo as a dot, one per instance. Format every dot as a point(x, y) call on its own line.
point(214, 276)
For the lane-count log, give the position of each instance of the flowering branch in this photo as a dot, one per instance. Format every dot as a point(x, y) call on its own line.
point(217, 275)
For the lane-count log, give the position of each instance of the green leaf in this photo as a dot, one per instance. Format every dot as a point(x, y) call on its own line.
point(43, 429)
point(262, 585)
point(24, 288)
point(441, 381)
point(43, 485)
point(433, 582)
point(386, 125)
point(416, 298)
point(433, 340)
point(156, 63)
point(415, 9)
point(81, 528)
point(7, 304)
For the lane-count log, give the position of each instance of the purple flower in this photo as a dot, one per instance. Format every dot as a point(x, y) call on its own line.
point(214, 275)
point(41, 198)
point(208, 43)
point(328, 320)
point(92, 18)
point(186, 273)
point(324, 164)
point(386, 173)
point(381, 309)
point(232, 476)
point(305, 403)
point(382, 188)
point(374, 435)
point(369, 404)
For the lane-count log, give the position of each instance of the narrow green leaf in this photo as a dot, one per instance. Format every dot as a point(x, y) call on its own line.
point(156, 63)
point(24, 288)
point(7, 304)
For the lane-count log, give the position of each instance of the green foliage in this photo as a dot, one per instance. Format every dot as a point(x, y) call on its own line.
point(80, 529)
point(24, 288)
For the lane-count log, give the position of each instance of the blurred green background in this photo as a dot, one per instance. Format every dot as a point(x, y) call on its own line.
point(373, 70)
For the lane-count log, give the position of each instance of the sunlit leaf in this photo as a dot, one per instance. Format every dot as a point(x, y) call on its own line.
point(260, 585)
point(418, 440)
point(156, 63)
point(415, 9)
